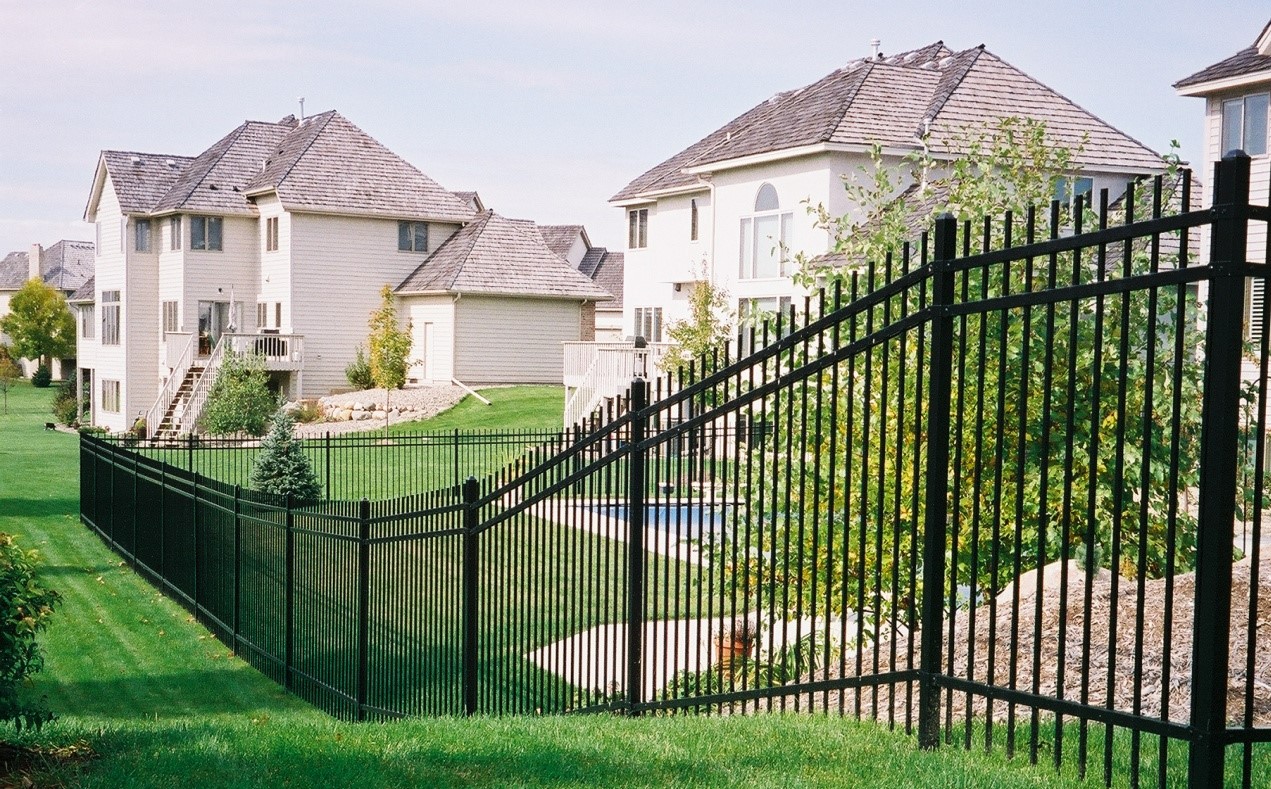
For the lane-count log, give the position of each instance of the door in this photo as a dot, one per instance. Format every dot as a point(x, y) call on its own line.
point(215, 318)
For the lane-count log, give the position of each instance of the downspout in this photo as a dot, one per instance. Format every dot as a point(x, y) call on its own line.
point(710, 270)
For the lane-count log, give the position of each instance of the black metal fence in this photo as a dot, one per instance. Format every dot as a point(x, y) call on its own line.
point(1005, 489)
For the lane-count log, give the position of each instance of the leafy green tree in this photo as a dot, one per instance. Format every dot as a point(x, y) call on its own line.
point(709, 326)
point(39, 323)
point(1045, 367)
point(25, 609)
point(282, 466)
point(10, 374)
point(239, 400)
point(390, 344)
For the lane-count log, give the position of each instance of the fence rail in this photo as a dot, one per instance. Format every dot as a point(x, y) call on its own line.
point(1005, 488)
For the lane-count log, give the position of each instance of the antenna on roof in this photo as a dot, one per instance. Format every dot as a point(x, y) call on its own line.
point(874, 44)
point(301, 99)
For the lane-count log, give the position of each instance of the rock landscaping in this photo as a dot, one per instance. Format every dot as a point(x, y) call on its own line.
point(364, 410)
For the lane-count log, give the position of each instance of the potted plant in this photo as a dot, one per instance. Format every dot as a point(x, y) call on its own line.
point(736, 642)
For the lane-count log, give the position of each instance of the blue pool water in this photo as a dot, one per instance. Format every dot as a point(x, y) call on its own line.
point(683, 520)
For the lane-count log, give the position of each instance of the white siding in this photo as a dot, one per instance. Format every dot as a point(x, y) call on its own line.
point(338, 265)
point(512, 340)
point(434, 316)
point(114, 361)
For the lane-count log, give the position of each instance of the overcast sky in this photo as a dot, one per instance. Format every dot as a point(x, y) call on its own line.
point(547, 109)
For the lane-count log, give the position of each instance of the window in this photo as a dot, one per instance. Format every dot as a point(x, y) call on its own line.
point(271, 234)
point(277, 314)
point(262, 315)
point(753, 312)
point(169, 317)
point(638, 228)
point(1067, 189)
point(87, 321)
point(648, 323)
point(205, 233)
point(692, 220)
point(110, 396)
point(1244, 125)
point(174, 233)
point(141, 235)
point(110, 317)
point(765, 238)
point(412, 236)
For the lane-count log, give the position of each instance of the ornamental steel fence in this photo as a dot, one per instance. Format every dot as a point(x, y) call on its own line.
point(1004, 489)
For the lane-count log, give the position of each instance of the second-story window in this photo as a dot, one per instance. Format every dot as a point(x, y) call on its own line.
point(110, 317)
point(1244, 124)
point(141, 235)
point(692, 220)
point(174, 233)
point(87, 321)
point(412, 236)
point(765, 238)
point(205, 233)
point(271, 234)
point(637, 228)
point(169, 317)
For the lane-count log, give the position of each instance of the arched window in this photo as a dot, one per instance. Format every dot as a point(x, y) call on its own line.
point(767, 200)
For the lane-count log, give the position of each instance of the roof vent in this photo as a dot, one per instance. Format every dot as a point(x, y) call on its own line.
point(212, 187)
point(171, 162)
point(874, 44)
point(136, 159)
point(728, 136)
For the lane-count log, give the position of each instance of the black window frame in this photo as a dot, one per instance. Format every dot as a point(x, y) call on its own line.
point(412, 236)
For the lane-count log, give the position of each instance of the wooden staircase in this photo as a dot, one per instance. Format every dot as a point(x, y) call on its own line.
point(168, 426)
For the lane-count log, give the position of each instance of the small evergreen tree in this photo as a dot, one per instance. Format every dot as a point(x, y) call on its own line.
point(282, 466)
point(390, 344)
point(358, 371)
point(239, 400)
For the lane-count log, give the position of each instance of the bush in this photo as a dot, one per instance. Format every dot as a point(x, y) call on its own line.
point(42, 377)
point(25, 609)
point(359, 371)
point(239, 400)
point(307, 411)
point(282, 466)
point(66, 404)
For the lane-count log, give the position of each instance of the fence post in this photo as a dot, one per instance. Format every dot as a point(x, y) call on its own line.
point(456, 457)
point(935, 524)
point(289, 635)
point(327, 460)
point(1219, 437)
point(238, 556)
point(194, 525)
point(363, 606)
point(189, 451)
point(471, 567)
point(635, 546)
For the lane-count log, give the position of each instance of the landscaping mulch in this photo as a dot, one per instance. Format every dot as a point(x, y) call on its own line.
point(1135, 665)
point(23, 767)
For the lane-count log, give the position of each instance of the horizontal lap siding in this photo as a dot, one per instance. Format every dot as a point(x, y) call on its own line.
point(513, 340)
point(438, 311)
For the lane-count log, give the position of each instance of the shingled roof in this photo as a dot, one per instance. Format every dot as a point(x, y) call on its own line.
point(560, 238)
point(605, 268)
point(65, 266)
point(1247, 61)
point(85, 292)
point(497, 255)
point(895, 101)
point(323, 163)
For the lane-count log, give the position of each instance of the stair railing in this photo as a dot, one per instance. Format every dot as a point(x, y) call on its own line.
point(169, 391)
point(188, 419)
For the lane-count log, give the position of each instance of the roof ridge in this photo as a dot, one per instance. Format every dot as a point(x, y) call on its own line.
point(480, 223)
point(851, 99)
point(312, 138)
point(941, 98)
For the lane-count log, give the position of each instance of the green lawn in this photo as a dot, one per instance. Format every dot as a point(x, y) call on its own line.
point(164, 704)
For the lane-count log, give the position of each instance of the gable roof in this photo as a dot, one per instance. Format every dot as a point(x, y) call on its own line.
point(497, 255)
point(605, 268)
point(85, 292)
point(323, 163)
point(1250, 60)
point(896, 101)
point(65, 266)
point(560, 238)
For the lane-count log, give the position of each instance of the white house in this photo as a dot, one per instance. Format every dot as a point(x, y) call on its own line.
point(733, 207)
point(65, 266)
point(1237, 94)
point(277, 239)
point(603, 267)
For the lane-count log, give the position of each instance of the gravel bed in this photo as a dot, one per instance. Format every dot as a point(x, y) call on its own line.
point(416, 403)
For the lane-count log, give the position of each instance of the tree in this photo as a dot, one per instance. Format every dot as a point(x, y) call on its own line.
point(390, 344)
point(239, 400)
point(282, 467)
point(25, 609)
point(708, 327)
point(39, 323)
point(1026, 421)
point(9, 374)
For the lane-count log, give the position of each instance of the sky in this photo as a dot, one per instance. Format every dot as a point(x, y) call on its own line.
point(546, 109)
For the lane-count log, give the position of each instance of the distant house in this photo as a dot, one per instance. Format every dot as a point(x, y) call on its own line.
point(276, 239)
point(735, 203)
point(603, 267)
point(1237, 94)
point(66, 266)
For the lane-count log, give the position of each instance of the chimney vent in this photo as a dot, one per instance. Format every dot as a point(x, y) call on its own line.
point(874, 44)
point(136, 159)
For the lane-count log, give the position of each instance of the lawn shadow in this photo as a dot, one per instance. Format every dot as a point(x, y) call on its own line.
point(208, 692)
point(38, 508)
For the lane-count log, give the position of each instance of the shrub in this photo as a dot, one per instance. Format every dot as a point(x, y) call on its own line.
point(9, 375)
point(282, 466)
point(359, 371)
point(390, 344)
point(66, 403)
point(25, 609)
point(307, 411)
point(42, 377)
point(239, 400)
